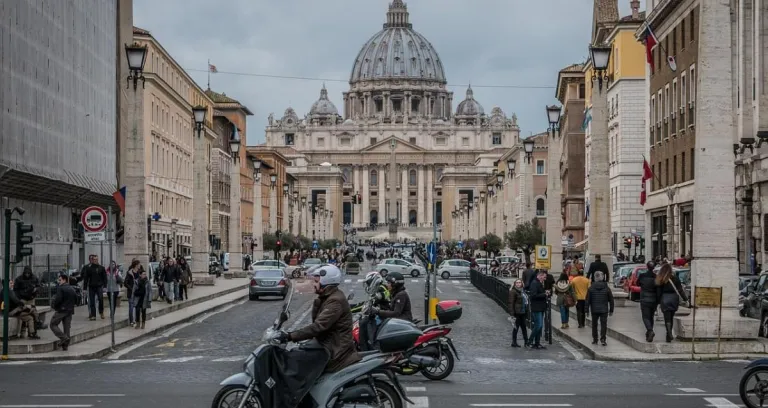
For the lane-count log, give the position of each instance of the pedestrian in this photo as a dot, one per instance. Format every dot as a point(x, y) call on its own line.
point(538, 298)
point(19, 310)
point(518, 307)
point(565, 298)
point(649, 300)
point(114, 282)
point(185, 279)
point(25, 287)
point(94, 279)
point(597, 266)
point(130, 285)
point(528, 275)
point(600, 302)
point(580, 286)
point(143, 295)
point(63, 305)
point(171, 276)
point(669, 292)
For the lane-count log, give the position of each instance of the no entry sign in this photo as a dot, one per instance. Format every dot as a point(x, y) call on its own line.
point(94, 219)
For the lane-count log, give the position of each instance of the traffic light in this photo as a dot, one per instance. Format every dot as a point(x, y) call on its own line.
point(637, 240)
point(169, 243)
point(23, 239)
point(642, 243)
point(279, 244)
point(628, 243)
point(485, 245)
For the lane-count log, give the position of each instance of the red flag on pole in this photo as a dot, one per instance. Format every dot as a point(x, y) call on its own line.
point(647, 175)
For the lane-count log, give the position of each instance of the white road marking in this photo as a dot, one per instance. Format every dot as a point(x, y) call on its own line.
point(79, 395)
point(181, 359)
point(127, 361)
point(23, 362)
point(515, 395)
point(224, 359)
point(687, 361)
point(347, 280)
point(520, 405)
point(414, 281)
point(720, 403)
point(690, 390)
point(359, 280)
point(701, 395)
point(486, 360)
point(71, 362)
point(541, 361)
point(567, 346)
point(48, 406)
point(455, 282)
point(738, 361)
point(471, 292)
point(438, 289)
point(418, 402)
point(300, 319)
point(415, 389)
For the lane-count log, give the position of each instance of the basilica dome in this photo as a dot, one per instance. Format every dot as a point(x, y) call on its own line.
point(398, 52)
point(323, 106)
point(469, 106)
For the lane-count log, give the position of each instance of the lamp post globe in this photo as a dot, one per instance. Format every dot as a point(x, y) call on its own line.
point(137, 56)
point(600, 55)
point(234, 145)
point(500, 178)
point(528, 146)
point(273, 178)
point(285, 188)
point(482, 195)
point(199, 112)
point(553, 114)
point(511, 166)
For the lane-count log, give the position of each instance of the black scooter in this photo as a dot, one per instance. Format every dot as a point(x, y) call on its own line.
point(753, 387)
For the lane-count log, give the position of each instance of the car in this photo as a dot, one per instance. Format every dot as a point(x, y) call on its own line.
point(269, 282)
point(271, 264)
point(453, 268)
point(622, 274)
point(400, 265)
point(507, 259)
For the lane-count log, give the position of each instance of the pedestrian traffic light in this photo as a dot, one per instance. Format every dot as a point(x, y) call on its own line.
point(637, 240)
point(23, 239)
point(628, 243)
point(642, 243)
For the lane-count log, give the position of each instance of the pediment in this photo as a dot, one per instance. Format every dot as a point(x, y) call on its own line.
point(402, 146)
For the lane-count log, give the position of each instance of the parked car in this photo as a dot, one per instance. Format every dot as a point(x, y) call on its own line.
point(400, 265)
point(269, 282)
point(453, 268)
point(271, 264)
point(306, 266)
point(630, 284)
point(622, 274)
point(507, 259)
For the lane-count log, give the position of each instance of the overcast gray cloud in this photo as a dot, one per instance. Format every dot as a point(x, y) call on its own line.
point(485, 42)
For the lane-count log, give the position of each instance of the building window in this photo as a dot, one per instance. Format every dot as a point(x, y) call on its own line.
point(692, 85)
point(693, 165)
point(374, 140)
point(496, 139)
point(674, 169)
point(412, 140)
point(415, 106)
point(666, 172)
point(440, 141)
point(582, 91)
point(682, 33)
point(682, 167)
point(412, 178)
point(379, 105)
point(539, 166)
point(653, 179)
point(320, 142)
point(397, 105)
point(374, 178)
point(412, 194)
point(692, 25)
point(345, 141)
point(540, 208)
point(465, 141)
point(438, 174)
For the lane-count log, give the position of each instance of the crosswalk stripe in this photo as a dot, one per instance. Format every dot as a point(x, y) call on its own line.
point(486, 360)
point(347, 280)
point(415, 389)
point(359, 280)
point(414, 281)
point(418, 402)
point(225, 359)
point(181, 359)
point(18, 362)
point(126, 361)
point(541, 361)
point(71, 362)
point(455, 282)
point(720, 402)
point(690, 390)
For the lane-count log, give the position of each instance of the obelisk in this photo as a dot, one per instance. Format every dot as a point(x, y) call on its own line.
point(393, 192)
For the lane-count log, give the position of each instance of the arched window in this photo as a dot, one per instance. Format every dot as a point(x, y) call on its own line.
point(347, 175)
point(540, 208)
point(374, 178)
point(412, 178)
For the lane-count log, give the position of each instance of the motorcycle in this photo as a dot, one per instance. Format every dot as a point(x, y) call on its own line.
point(270, 376)
point(433, 343)
point(753, 395)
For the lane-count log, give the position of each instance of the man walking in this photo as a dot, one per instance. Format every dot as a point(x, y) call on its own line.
point(64, 306)
point(580, 286)
point(600, 302)
point(597, 266)
point(538, 299)
point(171, 277)
point(94, 279)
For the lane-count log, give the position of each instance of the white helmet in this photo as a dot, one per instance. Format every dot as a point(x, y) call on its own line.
point(329, 275)
point(372, 282)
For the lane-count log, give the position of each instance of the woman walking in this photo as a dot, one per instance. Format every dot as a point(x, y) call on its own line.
point(143, 295)
point(114, 281)
point(518, 307)
point(131, 277)
point(669, 292)
point(566, 298)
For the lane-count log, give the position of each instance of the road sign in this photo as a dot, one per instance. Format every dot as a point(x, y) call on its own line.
point(315, 245)
point(94, 219)
point(543, 256)
point(432, 252)
point(460, 244)
point(95, 236)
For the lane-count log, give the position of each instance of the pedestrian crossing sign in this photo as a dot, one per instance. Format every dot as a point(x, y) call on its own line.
point(543, 257)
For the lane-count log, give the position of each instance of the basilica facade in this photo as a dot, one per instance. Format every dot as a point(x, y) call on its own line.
point(398, 149)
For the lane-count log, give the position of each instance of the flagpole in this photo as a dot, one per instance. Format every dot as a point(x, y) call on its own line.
point(209, 74)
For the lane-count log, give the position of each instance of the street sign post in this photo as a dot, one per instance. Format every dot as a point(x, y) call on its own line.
point(543, 258)
point(94, 221)
point(706, 297)
point(315, 245)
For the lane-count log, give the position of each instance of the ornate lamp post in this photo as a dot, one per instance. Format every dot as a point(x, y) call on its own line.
point(553, 234)
point(200, 243)
point(235, 235)
point(273, 227)
point(258, 212)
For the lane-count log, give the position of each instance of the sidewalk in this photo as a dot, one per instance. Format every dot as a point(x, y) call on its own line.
point(91, 339)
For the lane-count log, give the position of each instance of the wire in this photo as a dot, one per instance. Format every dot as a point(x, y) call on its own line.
point(302, 78)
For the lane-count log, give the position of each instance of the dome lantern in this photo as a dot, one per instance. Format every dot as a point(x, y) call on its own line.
point(397, 16)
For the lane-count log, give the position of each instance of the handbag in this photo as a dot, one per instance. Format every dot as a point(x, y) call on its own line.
point(683, 303)
point(569, 301)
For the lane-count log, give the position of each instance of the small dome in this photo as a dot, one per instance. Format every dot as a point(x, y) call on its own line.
point(439, 122)
point(349, 122)
point(323, 106)
point(469, 106)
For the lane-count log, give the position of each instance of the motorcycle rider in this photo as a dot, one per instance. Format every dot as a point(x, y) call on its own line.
point(377, 290)
point(331, 320)
point(400, 306)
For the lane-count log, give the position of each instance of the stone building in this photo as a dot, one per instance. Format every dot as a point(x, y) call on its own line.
point(221, 183)
point(398, 143)
point(59, 118)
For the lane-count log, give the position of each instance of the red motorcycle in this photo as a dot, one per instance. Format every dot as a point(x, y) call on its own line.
point(434, 344)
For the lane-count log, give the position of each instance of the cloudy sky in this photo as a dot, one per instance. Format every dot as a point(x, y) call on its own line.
point(510, 50)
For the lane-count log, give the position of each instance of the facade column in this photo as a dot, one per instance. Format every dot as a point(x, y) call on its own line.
point(430, 203)
point(387, 109)
point(404, 196)
point(235, 236)
point(136, 239)
point(554, 221)
point(258, 220)
point(200, 253)
point(364, 208)
point(420, 218)
point(286, 210)
point(599, 231)
point(714, 237)
point(356, 218)
point(382, 171)
point(273, 209)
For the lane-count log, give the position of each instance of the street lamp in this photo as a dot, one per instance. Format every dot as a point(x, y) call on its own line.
point(234, 145)
point(295, 196)
point(528, 147)
point(303, 201)
point(600, 56)
point(285, 189)
point(490, 190)
point(511, 166)
point(256, 169)
point(553, 115)
point(482, 196)
point(199, 112)
point(499, 179)
point(137, 56)
point(272, 180)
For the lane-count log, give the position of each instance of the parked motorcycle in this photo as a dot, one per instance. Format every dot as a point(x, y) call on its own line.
point(271, 379)
point(753, 387)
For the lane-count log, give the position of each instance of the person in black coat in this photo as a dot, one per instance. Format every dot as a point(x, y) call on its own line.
point(649, 299)
point(600, 302)
point(597, 266)
point(63, 305)
point(539, 299)
point(94, 280)
point(669, 290)
point(529, 275)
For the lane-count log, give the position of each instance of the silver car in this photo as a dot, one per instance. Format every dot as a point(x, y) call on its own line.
point(400, 265)
point(454, 268)
point(269, 282)
point(272, 264)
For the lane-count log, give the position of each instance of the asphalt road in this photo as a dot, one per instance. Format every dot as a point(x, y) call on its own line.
point(184, 366)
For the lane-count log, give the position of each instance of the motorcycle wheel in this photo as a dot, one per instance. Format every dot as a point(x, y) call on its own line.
point(231, 395)
point(758, 391)
point(442, 371)
point(387, 395)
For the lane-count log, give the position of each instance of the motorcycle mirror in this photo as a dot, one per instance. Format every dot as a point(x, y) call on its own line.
point(351, 296)
point(285, 316)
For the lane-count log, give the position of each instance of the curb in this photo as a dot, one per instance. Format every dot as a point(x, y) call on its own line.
point(143, 336)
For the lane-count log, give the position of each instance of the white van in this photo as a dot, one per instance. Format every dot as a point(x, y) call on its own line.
point(225, 265)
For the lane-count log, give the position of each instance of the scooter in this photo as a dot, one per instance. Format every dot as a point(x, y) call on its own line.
point(269, 378)
point(753, 387)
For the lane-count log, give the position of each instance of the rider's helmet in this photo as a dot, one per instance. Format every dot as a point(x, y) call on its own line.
point(329, 275)
point(372, 282)
point(396, 279)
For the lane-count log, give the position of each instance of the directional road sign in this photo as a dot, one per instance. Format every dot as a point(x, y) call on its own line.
point(315, 245)
point(94, 219)
point(460, 244)
point(432, 252)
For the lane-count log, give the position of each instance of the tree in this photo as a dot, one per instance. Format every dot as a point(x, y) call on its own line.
point(329, 244)
point(494, 243)
point(525, 237)
point(269, 241)
point(304, 242)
